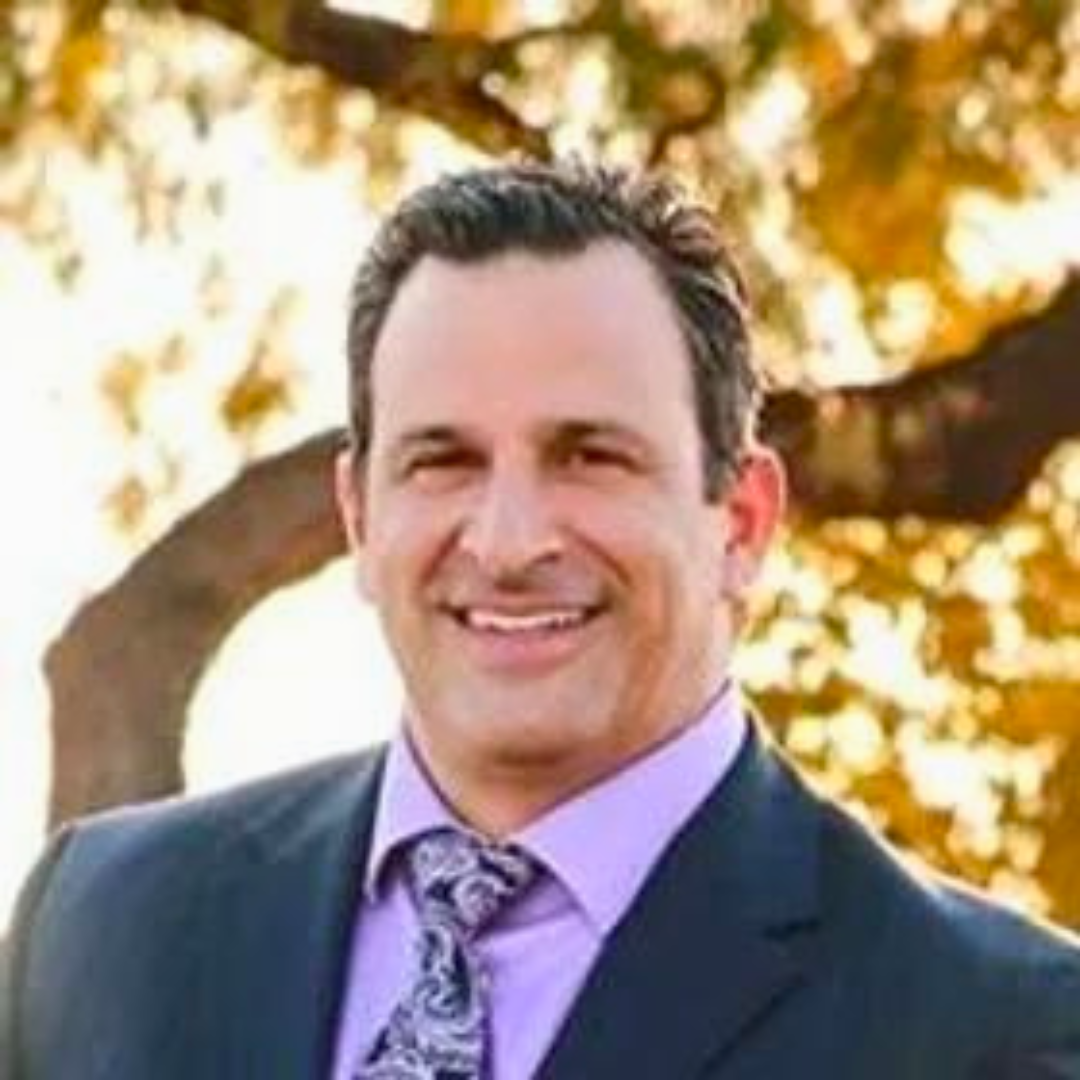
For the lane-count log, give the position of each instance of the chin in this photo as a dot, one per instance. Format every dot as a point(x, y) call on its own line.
point(528, 738)
point(516, 736)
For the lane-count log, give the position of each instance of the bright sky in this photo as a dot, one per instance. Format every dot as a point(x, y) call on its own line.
point(62, 454)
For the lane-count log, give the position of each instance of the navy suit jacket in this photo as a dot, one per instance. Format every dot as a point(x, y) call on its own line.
point(205, 939)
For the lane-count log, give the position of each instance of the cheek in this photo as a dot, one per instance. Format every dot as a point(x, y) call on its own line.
point(681, 582)
point(677, 553)
point(405, 553)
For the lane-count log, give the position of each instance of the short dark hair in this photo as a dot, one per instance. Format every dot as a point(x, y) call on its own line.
point(562, 208)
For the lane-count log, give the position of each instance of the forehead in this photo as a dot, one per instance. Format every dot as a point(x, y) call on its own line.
point(523, 336)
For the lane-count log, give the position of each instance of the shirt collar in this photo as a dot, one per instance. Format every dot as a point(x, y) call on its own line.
point(409, 805)
point(601, 843)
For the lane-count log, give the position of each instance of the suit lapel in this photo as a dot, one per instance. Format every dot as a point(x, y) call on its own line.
point(278, 923)
point(716, 939)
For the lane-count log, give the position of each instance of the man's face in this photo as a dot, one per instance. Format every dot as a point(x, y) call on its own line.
point(531, 522)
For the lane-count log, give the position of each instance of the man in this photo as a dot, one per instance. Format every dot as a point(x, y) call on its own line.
point(581, 859)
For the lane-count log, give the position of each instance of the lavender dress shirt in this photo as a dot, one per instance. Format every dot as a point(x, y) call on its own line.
point(597, 848)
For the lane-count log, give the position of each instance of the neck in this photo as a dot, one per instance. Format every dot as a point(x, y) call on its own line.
point(503, 798)
point(502, 802)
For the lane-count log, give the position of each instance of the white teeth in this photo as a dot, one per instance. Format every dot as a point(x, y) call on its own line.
point(502, 623)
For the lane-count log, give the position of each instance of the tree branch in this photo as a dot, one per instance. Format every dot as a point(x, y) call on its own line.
point(959, 441)
point(449, 78)
point(443, 77)
point(122, 673)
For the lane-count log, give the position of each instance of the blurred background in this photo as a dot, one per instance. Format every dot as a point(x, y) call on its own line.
point(185, 187)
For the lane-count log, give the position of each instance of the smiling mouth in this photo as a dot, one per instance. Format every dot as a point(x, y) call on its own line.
point(516, 623)
point(524, 643)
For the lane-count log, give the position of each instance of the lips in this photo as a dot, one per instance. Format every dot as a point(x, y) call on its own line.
point(505, 622)
point(527, 641)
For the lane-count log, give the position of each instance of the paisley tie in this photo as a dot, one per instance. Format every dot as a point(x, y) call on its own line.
point(439, 1031)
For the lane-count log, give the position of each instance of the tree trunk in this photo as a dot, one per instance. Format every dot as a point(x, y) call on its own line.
point(123, 672)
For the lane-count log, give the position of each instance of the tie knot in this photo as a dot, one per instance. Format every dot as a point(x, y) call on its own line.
point(459, 878)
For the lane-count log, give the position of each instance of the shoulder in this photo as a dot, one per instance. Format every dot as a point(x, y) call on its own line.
point(130, 903)
point(231, 812)
point(935, 947)
point(883, 891)
point(126, 860)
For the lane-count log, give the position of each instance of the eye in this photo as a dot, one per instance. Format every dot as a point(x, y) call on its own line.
point(599, 457)
point(435, 464)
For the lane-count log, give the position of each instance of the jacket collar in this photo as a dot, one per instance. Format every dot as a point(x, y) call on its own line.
point(277, 922)
point(717, 938)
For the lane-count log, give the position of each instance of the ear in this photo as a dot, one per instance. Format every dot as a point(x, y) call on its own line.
point(755, 506)
point(349, 495)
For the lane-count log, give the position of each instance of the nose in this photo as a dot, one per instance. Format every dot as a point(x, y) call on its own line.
point(511, 527)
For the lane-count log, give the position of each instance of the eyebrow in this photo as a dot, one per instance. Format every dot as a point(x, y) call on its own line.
point(427, 437)
point(431, 433)
point(580, 430)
